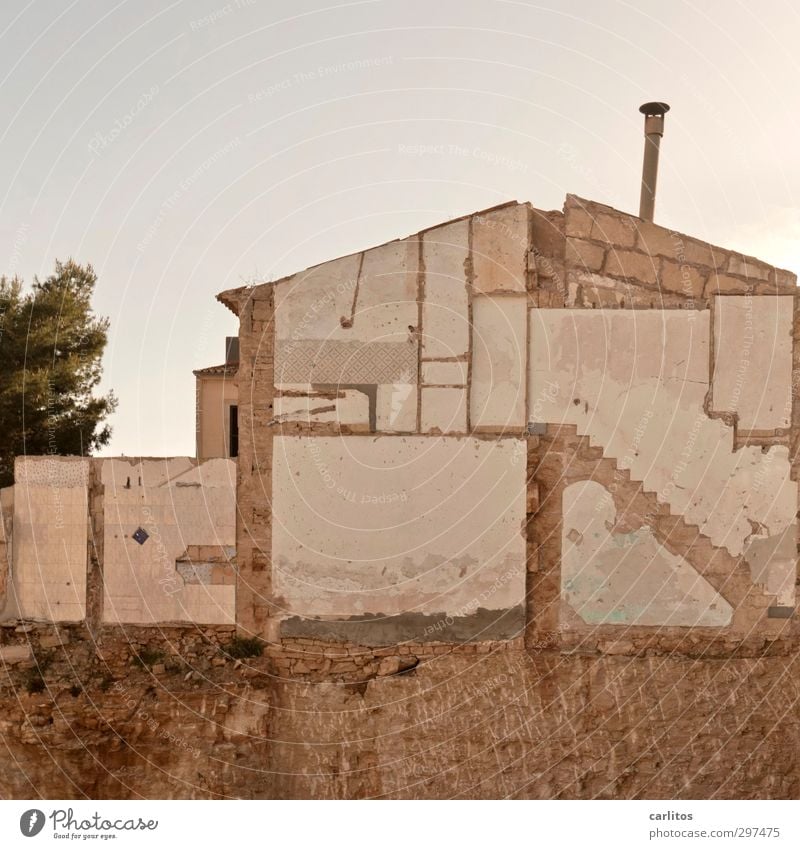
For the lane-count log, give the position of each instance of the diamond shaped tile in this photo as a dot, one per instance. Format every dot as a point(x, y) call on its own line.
point(141, 536)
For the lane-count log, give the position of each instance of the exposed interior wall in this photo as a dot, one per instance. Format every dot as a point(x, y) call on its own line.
point(391, 537)
point(584, 331)
point(711, 482)
point(385, 342)
point(636, 383)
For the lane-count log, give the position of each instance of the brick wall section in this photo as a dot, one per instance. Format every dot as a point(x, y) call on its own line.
point(613, 259)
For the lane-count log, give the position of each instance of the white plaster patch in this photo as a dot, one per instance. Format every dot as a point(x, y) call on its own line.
point(445, 308)
point(444, 410)
point(444, 374)
point(310, 304)
point(351, 408)
point(614, 578)
point(396, 405)
point(387, 292)
point(753, 359)
point(499, 356)
point(500, 242)
point(350, 299)
point(351, 320)
point(389, 525)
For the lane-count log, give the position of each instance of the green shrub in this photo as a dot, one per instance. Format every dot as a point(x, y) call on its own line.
point(240, 647)
point(147, 657)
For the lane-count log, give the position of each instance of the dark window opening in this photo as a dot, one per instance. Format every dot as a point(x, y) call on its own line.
point(233, 431)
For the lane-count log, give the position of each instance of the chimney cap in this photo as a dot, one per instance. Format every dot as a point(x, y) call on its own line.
point(654, 107)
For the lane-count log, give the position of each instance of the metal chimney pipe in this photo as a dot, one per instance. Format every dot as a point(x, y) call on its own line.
point(653, 130)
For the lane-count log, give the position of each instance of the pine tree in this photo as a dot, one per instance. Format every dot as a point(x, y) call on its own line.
point(51, 346)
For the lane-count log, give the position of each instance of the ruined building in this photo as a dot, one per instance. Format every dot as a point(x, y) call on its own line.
point(512, 511)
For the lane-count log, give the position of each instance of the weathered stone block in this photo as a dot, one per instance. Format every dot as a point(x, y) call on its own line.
point(585, 255)
point(724, 284)
point(15, 654)
point(632, 264)
point(746, 266)
point(619, 230)
point(683, 278)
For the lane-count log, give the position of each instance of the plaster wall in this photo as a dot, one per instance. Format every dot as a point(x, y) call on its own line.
point(50, 537)
point(216, 395)
point(623, 575)
point(179, 505)
point(753, 360)
point(405, 531)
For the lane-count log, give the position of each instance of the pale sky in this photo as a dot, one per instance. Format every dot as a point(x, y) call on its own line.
point(184, 148)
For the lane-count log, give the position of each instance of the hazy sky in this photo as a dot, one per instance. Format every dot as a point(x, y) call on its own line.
point(184, 148)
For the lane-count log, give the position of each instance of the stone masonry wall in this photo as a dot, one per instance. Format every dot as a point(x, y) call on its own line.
point(169, 713)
